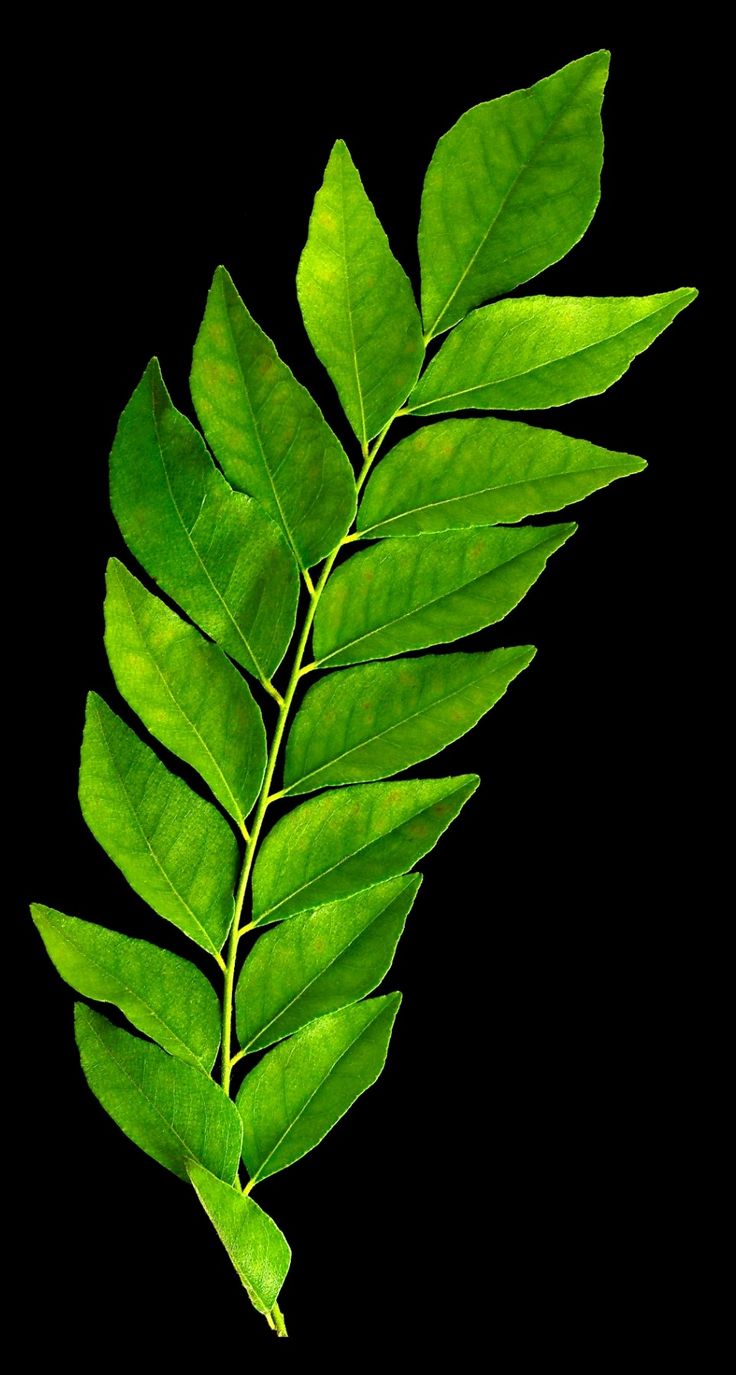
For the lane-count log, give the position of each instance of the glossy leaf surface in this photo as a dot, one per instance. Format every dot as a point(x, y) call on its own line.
point(510, 188)
point(539, 351)
point(370, 722)
point(461, 473)
point(335, 845)
point(266, 431)
point(215, 551)
point(320, 961)
point(172, 1111)
point(409, 594)
point(256, 1246)
point(185, 691)
point(175, 850)
point(357, 301)
point(163, 995)
point(299, 1090)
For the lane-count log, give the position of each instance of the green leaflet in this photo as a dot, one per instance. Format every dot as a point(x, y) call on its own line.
point(256, 1246)
point(458, 473)
point(341, 842)
point(214, 550)
point(161, 994)
point(540, 351)
point(369, 722)
point(357, 301)
point(266, 430)
point(175, 850)
point(320, 961)
point(510, 188)
point(185, 691)
point(408, 594)
point(304, 1086)
point(172, 1111)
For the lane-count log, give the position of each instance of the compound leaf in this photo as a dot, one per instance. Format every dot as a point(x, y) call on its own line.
point(370, 722)
point(304, 1086)
point(459, 473)
point(357, 302)
point(256, 1246)
point(266, 431)
point(164, 996)
point(215, 551)
point(175, 850)
point(173, 1111)
point(185, 691)
point(510, 188)
point(408, 594)
point(335, 845)
point(539, 351)
point(320, 961)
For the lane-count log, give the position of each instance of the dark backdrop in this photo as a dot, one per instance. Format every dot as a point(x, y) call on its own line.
point(514, 1176)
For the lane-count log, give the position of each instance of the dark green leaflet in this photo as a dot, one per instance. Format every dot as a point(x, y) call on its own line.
point(236, 540)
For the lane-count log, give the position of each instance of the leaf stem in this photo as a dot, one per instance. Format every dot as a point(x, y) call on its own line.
point(265, 796)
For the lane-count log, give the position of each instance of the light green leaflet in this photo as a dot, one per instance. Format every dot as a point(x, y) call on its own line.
point(357, 301)
point(185, 690)
point(163, 995)
point(408, 594)
point(341, 842)
point(175, 850)
point(214, 550)
point(266, 430)
point(458, 473)
point(255, 1245)
point(172, 1111)
point(320, 961)
point(369, 722)
point(238, 547)
point(539, 351)
point(510, 189)
point(299, 1090)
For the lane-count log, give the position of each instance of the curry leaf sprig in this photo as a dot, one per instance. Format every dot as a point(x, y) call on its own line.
point(300, 679)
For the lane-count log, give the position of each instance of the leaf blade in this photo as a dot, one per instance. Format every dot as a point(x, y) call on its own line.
point(175, 850)
point(173, 1111)
point(356, 301)
point(461, 473)
point(367, 723)
point(511, 187)
point(163, 995)
point(185, 691)
point(321, 961)
point(215, 551)
point(430, 590)
point(533, 352)
point(341, 842)
point(265, 429)
point(299, 1090)
point(256, 1246)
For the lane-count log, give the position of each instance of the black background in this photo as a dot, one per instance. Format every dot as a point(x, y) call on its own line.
point(519, 1174)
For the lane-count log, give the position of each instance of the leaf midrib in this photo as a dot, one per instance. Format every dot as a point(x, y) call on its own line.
point(259, 1172)
point(433, 601)
point(348, 299)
